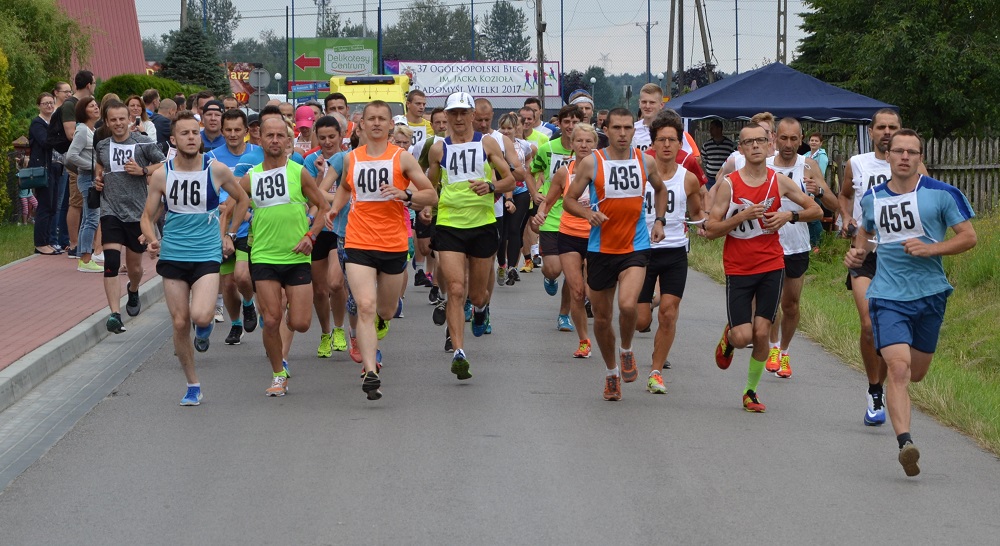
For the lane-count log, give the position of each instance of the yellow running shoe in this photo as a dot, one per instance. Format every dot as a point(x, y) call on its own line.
point(655, 384)
point(325, 346)
point(785, 369)
point(773, 360)
point(339, 340)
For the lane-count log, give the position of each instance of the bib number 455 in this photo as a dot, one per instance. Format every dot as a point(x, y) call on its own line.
point(896, 217)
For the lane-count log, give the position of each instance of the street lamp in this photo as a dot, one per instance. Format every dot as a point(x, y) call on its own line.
point(660, 77)
point(277, 80)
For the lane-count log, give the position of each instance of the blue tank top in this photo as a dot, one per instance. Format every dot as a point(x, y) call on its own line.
point(191, 229)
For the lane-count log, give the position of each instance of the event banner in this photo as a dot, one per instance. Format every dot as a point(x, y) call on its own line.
point(479, 79)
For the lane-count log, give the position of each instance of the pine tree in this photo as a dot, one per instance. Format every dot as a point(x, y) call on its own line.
point(192, 59)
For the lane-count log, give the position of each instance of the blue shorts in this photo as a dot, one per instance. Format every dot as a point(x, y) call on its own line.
point(915, 323)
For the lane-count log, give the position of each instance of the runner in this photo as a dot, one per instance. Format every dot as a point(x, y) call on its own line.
point(515, 222)
point(909, 215)
point(668, 260)
point(866, 171)
point(236, 285)
point(746, 213)
point(552, 156)
point(211, 118)
point(416, 103)
point(530, 237)
point(126, 159)
point(192, 246)
point(336, 103)
point(618, 248)
point(465, 238)
point(378, 176)
point(424, 222)
point(279, 257)
point(794, 240)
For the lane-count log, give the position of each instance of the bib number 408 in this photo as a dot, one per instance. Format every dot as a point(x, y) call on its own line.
point(896, 217)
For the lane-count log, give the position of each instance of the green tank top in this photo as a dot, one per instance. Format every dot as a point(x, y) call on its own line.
point(550, 158)
point(279, 215)
point(460, 207)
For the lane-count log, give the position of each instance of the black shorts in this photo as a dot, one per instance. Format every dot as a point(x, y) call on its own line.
point(603, 269)
point(115, 231)
point(670, 267)
point(422, 230)
point(743, 290)
point(242, 244)
point(569, 243)
point(796, 265)
point(286, 274)
point(390, 263)
point(188, 272)
point(867, 270)
point(477, 242)
point(548, 243)
point(326, 241)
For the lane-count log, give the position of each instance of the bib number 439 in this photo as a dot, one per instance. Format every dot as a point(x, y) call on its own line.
point(269, 187)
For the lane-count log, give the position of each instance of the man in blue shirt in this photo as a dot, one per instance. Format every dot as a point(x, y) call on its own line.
point(211, 119)
point(908, 218)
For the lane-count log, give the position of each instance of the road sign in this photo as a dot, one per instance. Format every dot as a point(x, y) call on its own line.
point(259, 78)
point(258, 100)
point(316, 59)
point(309, 86)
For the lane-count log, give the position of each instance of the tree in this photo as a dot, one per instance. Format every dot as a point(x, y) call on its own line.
point(153, 49)
point(429, 31)
point(698, 73)
point(935, 59)
point(223, 20)
point(505, 34)
point(193, 59)
point(605, 96)
point(269, 50)
point(327, 20)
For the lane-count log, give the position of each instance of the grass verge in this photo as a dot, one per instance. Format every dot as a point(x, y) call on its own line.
point(962, 389)
point(16, 242)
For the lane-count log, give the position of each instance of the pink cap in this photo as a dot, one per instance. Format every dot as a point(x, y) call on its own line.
point(304, 117)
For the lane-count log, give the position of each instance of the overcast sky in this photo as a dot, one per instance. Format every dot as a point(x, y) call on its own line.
point(596, 33)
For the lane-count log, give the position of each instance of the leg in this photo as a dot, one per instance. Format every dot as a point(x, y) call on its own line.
point(133, 260)
point(602, 302)
point(112, 286)
point(875, 366)
point(321, 293)
point(791, 293)
point(666, 329)
point(362, 281)
point(629, 285)
point(572, 266)
point(299, 308)
point(231, 298)
point(452, 270)
point(177, 294)
point(269, 300)
point(338, 294)
point(480, 277)
point(898, 359)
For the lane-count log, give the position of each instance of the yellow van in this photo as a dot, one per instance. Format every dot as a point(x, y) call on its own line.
point(360, 90)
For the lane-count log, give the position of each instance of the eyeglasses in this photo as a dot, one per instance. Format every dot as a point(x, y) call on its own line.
point(901, 152)
point(47, 103)
point(670, 140)
point(761, 141)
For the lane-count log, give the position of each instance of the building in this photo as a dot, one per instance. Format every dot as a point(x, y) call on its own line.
point(115, 42)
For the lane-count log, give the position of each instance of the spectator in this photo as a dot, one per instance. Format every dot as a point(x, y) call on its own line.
point(41, 156)
point(81, 157)
point(817, 153)
point(167, 111)
point(138, 118)
point(151, 99)
point(715, 151)
point(229, 102)
point(71, 202)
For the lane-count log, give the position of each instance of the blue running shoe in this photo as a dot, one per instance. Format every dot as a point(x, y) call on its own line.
point(201, 336)
point(193, 397)
point(284, 365)
point(564, 324)
point(468, 311)
point(460, 365)
point(875, 414)
point(489, 327)
point(551, 286)
point(479, 319)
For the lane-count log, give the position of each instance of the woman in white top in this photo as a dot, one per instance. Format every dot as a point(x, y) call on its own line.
point(137, 111)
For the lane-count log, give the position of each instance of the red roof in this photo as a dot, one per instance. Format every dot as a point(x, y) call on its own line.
point(116, 45)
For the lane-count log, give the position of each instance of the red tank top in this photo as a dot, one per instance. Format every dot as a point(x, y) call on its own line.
point(749, 249)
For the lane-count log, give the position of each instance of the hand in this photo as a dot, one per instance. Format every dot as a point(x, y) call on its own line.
point(702, 232)
point(392, 192)
point(426, 215)
point(537, 220)
point(538, 198)
point(855, 257)
point(305, 245)
point(480, 187)
point(330, 217)
point(99, 183)
point(753, 212)
point(320, 163)
point(918, 248)
point(597, 218)
point(133, 168)
point(152, 247)
point(846, 231)
point(228, 248)
point(812, 187)
point(509, 205)
point(657, 234)
point(774, 220)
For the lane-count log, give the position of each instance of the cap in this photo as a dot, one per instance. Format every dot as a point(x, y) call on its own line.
point(399, 120)
point(253, 119)
point(460, 100)
point(213, 105)
point(304, 116)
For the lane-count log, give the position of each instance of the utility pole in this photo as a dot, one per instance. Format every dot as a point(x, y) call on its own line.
point(649, 25)
point(680, 43)
point(700, 7)
point(782, 27)
point(670, 50)
point(540, 30)
point(184, 14)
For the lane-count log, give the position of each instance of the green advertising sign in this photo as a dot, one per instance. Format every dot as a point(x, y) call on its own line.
point(316, 59)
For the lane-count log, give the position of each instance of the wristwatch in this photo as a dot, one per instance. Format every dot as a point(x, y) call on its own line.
point(409, 196)
point(145, 171)
point(232, 235)
point(795, 217)
point(493, 189)
point(661, 220)
point(821, 192)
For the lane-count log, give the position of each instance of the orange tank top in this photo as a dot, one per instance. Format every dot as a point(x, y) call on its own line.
point(569, 224)
point(376, 222)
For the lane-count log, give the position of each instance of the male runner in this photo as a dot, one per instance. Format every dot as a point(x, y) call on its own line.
point(237, 287)
point(377, 180)
point(618, 249)
point(746, 213)
point(465, 237)
point(279, 257)
point(909, 215)
point(423, 227)
point(536, 106)
point(192, 245)
point(416, 103)
point(668, 258)
point(794, 239)
point(211, 118)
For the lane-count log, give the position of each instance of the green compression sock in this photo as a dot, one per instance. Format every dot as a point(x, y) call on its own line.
point(753, 375)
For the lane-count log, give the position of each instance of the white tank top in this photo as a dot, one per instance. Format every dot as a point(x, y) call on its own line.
point(794, 237)
point(867, 171)
point(675, 235)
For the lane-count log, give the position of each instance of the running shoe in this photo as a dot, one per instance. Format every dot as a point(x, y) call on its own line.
point(249, 317)
point(339, 340)
point(371, 385)
point(355, 351)
point(773, 362)
point(666, 365)
point(419, 278)
point(219, 317)
point(629, 372)
point(489, 327)
point(460, 365)
point(785, 370)
point(501, 275)
point(399, 309)
point(193, 397)
point(99, 257)
point(551, 286)
point(468, 310)
point(448, 346)
point(612, 388)
point(751, 404)
point(378, 363)
point(527, 267)
point(71, 252)
point(564, 324)
point(479, 322)
point(537, 260)
point(875, 415)
point(512, 276)
point(583, 351)
point(284, 366)
point(655, 384)
point(908, 457)
point(325, 349)
point(89, 267)
point(235, 335)
point(589, 309)
point(133, 305)
point(724, 351)
point(440, 314)
point(429, 282)
point(646, 330)
point(434, 296)
point(381, 327)
point(114, 323)
point(279, 386)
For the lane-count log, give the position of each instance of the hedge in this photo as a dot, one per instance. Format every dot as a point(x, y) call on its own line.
point(6, 101)
point(125, 85)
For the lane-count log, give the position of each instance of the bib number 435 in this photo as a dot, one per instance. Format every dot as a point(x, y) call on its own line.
point(624, 178)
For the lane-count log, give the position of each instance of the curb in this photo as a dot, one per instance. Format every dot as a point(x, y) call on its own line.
point(29, 371)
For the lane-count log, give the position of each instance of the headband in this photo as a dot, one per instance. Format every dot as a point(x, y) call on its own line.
point(580, 99)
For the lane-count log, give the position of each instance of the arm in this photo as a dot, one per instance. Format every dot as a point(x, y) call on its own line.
point(555, 192)
point(236, 208)
point(311, 191)
point(816, 185)
point(73, 155)
point(517, 169)
point(434, 163)
point(571, 203)
point(693, 189)
point(789, 189)
point(342, 196)
point(965, 238)
point(846, 199)
point(505, 180)
point(425, 196)
point(718, 225)
point(154, 200)
point(860, 248)
point(659, 196)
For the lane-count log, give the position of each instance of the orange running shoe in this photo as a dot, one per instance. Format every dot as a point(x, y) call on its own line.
point(751, 404)
point(279, 386)
point(629, 372)
point(584, 350)
point(724, 351)
point(785, 370)
point(612, 388)
point(355, 351)
point(773, 361)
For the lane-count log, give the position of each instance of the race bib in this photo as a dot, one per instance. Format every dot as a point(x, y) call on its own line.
point(187, 192)
point(897, 218)
point(369, 177)
point(557, 162)
point(465, 162)
point(120, 155)
point(270, 188)
point(419, 134)
point(622, 179)
point(671, 204)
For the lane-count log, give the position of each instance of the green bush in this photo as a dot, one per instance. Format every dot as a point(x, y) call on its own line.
point(125, 85)
point(6, 98)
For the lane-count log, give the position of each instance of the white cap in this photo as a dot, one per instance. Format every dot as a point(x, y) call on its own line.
point(460, 100)
point(399, 120)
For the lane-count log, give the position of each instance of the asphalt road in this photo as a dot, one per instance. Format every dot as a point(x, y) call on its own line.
point(526, 452)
